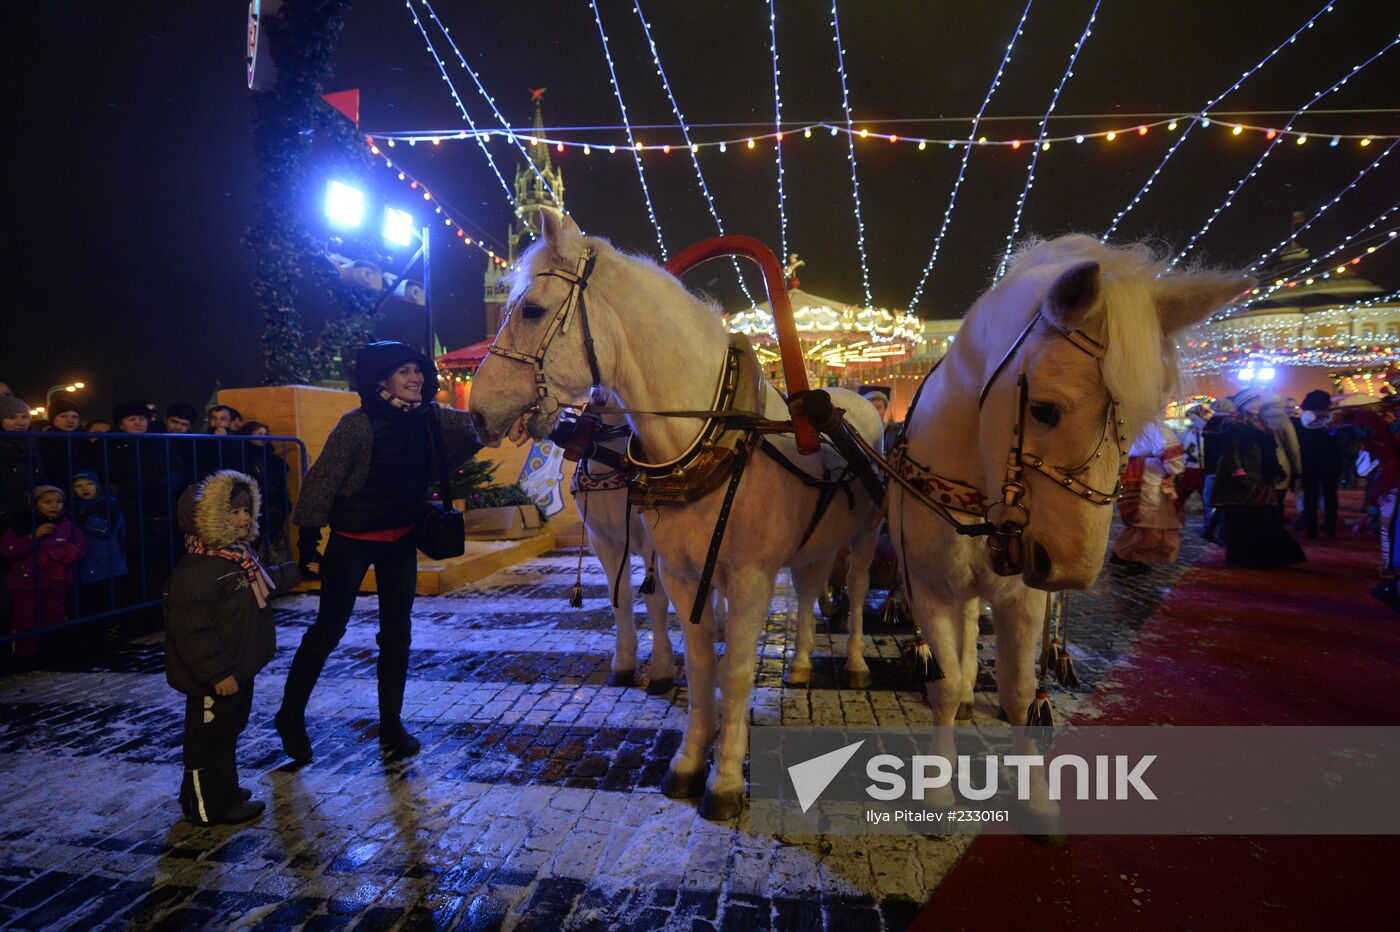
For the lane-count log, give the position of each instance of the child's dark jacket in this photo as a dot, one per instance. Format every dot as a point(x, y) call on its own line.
point(214, 627)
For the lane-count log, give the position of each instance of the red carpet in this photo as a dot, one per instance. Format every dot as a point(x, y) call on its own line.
point(1305, 645)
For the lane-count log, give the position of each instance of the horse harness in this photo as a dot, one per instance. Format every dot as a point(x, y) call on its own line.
point(1006, 518)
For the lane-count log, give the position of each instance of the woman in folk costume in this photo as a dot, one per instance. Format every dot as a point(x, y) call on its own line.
point(1150, 506)
point(1193, 448)
point(1252, 526)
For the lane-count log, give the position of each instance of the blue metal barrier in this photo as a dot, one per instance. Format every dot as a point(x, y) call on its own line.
point(129, 525)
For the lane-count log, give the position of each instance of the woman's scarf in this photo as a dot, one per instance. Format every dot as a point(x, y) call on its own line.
point(258, 579)
point(396, 402)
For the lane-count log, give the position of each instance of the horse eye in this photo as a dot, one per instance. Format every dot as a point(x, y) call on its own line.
point(1046, 413)
point(531, 311)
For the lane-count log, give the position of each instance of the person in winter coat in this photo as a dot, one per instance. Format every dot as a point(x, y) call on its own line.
point(370, 484)
point(1150, 506)
point(100, 519)
point(63, 453)
point(1245, 491)
point(1275, 413)
point(1192, 478)
point(139, 477)
point(42, 547)
point(1322, 464)
point(219, 633)
point(265, 465)
point(1211, 442)
point(21, 463)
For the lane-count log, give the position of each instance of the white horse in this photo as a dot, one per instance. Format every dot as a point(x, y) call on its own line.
point(655, 347)
point(1088, 327)
point(600, 494)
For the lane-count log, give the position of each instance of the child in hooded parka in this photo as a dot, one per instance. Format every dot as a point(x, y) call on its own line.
point(219, 633)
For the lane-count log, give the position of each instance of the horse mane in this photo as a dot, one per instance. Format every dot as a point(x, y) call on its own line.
point(1140, 364)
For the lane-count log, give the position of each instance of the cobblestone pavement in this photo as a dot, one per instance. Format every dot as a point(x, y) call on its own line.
point(534, 804)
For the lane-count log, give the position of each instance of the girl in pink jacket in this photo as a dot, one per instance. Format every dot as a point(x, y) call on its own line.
point(42, 547)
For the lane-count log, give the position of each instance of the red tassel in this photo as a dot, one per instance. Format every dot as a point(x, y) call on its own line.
point(1064, 670)
point(1038, 713)
point(926, 668)
point(648, 585)
point(576, 600)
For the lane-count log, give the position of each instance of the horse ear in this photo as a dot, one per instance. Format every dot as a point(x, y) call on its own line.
point(1073, 294)
point(1183, 300)
point(558, 229)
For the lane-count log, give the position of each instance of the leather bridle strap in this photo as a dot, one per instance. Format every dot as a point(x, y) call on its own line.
point(578, 284)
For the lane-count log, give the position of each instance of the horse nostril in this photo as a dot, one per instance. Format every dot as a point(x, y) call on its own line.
point(479, 423)
point(1041, 563)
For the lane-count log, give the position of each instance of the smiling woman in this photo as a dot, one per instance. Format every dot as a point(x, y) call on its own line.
point(370, 484)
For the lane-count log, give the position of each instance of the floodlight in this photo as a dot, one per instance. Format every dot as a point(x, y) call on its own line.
point(1266, 374)
point(344, 205)
point(398, 226)
point(1247, 374)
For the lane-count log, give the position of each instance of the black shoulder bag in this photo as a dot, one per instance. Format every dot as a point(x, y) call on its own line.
point(442, 531)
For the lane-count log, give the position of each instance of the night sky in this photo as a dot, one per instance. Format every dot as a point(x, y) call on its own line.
point(132, 177)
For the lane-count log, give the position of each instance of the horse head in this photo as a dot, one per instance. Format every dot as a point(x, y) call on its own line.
point(1095, 358)
point(539, 358)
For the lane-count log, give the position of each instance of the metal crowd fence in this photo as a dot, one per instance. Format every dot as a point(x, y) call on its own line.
point(128, 522)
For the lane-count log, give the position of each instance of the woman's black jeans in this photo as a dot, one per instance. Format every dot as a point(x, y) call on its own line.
point(343, 568)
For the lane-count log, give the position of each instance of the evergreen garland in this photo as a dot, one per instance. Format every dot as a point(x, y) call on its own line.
point(288, 119)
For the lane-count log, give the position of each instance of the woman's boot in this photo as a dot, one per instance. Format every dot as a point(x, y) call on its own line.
point(393, 675)
point(290, 720)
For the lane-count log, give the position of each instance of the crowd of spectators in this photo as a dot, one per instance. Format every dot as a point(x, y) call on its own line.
point(87, 504)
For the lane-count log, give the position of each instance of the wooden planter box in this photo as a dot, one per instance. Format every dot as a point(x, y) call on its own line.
point(509, 523)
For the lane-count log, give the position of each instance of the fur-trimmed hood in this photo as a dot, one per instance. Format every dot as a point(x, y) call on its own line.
point(204, 508)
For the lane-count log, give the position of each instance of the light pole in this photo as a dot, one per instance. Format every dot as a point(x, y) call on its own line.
point(69, 387)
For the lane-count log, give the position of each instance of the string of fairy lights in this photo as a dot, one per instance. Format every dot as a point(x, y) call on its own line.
point(1204, 116)
point(778, 131)
point(1269, 253)
point(1041, 145)
point(1374, 236)
point(481, 89)
point(626, 123)
point(851, 156)
point(1273, 144)
point(691, 148)
point(966, 156)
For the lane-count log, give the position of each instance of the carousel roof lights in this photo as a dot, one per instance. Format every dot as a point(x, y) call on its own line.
point(636, 157)
point(1265, 256)
point(1040, 135)
point(490, 101)
point(1152, 178)
point(855, 180)
point(685, 132)
point(1229, 198)
point(456, 98)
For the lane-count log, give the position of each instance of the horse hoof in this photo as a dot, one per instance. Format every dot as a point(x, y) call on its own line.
point(660, 687)
point(683, 785)
point(622, 678)
point(964, 712)
point(857, 679)
point(796, 677)
point(721, 807)
point(1055, 840)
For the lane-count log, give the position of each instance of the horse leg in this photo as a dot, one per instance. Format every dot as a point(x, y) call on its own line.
point(686, 777)
point(1018, 621)
point(615, 562)
point(719, 616)
point(808, 582)
point(970, 615)
point(749, 596)
point(938, 619)
point(857, 586)
point(663, 661)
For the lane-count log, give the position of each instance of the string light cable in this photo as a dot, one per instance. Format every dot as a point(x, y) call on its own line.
point(691, 147)
point(626, 124)
point(967, 154)
point(1229, 198)
point(850, 140)
point(1192, 124)
point(491, 101)
point(1255, 266)
point(1041, 144)
point(778, 129)
point(461, 108)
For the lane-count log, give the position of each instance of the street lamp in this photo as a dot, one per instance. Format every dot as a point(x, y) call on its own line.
point(69, 387)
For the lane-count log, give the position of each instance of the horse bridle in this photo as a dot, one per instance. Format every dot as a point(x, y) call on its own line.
point(1008, 517)
point(545, 402)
